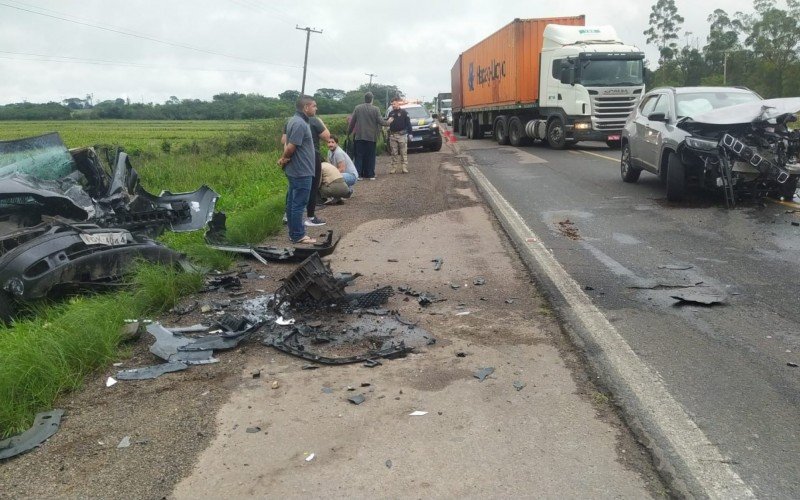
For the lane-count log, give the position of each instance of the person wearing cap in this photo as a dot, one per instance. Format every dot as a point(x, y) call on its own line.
point(399, 133)
point(366, 122)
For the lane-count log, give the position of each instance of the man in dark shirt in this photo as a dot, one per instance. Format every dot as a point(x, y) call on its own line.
point(365, 124)
point(399, 133)
point(318, 131)
point(297, 162)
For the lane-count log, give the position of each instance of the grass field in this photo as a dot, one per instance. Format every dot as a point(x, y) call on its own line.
point(52, 351)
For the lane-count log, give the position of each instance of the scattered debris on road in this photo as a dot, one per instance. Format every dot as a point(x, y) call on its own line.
point(417, 413)
point(357, 399)
point(698, 297)
point(482, 373)
point(518, 385)
point(568, 229)
point(437, 263)
point(45, 425)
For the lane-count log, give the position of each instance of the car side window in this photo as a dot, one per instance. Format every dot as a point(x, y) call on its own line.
point(662, 106)
point(648, 105)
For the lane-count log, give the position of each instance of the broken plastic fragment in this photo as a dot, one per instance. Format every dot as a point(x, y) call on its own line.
point(462, 313)
point(310, 457)
point(417, 413)
point(519, 385)
point(483, 373)
point(149, 372)
point(44, 426)
point(479, 281)
point(357, 399)
point(110, 381)
point(284, 322)
point(125, 442)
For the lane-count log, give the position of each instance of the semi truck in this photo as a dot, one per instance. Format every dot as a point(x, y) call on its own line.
point(550, 79)
point(444, 105)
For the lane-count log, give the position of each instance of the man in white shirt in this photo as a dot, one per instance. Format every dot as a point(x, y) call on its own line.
point(338, 158)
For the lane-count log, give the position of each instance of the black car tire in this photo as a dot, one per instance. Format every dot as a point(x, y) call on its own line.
point(556, 134)
point(788, 188)
point(501, 130)
point(516, 131)
point(676, 178)
point(613, 144)
point(626, 169)
point(7, 308)
point(435, 147)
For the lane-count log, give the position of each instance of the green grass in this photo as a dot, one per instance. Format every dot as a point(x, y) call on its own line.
point(57, 347)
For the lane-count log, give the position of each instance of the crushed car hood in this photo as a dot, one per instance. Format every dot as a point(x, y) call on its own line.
point(767, 109)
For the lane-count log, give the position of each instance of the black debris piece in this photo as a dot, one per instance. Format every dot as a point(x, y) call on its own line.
point(232, 323)
point(371, 363)
point(256, 373)
point(676, 267)
point(365, 384)
point(588, 288)
point(357, 399)
point(791, 364)
point(224, 281)
point(184, 309)
point(150, 372)
point(167, 344)
point(44, 426)
point(482, 373)
point(795, 223)
point(388, 464)
point(479, 281)
point(519, 385)
point(374, 312)
point(461, 355)
point(310, 367)
point(405, 321)
point(392, 260)
point(437, 263)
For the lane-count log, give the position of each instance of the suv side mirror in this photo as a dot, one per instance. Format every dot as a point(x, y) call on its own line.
point(657, 117)
point(567, 75)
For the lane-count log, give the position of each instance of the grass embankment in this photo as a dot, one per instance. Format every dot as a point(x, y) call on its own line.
point(56, 348)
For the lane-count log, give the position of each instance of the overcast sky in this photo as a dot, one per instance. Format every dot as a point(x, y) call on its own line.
point(198, 48)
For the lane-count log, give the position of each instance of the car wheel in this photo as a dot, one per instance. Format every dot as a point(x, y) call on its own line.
point(501, 130)
point(556, 134)
point(613, 144)
point(516, 131)
point(626, 168)
point(676, 178)
point(435, 147)
point(7, 308)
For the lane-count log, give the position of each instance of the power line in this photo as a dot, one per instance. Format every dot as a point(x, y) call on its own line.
point(106, 62)
point(142, 36)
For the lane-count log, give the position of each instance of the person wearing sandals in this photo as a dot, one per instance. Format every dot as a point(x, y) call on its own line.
point(297, 162)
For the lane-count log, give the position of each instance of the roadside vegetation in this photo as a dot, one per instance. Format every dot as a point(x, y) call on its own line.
point(54, 348)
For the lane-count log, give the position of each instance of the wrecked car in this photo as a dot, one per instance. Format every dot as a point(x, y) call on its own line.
point(70, 221)
point(721, 139)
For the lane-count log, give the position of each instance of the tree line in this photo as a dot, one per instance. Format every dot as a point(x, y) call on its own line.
point(759, 50)
point(225, 106)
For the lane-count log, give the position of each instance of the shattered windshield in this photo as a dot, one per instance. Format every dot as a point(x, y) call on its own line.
point(44, 157)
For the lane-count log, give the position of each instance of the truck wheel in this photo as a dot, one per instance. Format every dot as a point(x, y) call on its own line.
point(477, 132)
point(626, 168)
point(556, 135)
point(613, 144)
point(516, 131)
point(676, 178)
point(501, 130)
point(462, 126)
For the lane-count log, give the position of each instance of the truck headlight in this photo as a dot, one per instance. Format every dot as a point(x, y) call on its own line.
point(701, 144)
point(434, 125)
point(583, 126)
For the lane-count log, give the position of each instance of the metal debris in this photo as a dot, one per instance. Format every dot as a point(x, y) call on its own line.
point(482, 373)
point(519, 385)
point(437, 263)
point(417, 413)
point(677, 267)
point(698, 297)
point(479, 281)
point(44, 426)
point(125, 442)
point(150, 372)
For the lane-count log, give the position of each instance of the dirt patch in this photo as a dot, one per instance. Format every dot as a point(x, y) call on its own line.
point(568, 229)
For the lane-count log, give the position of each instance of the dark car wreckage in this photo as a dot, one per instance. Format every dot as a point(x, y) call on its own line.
point(70, 221)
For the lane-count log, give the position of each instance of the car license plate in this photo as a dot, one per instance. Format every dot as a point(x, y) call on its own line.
point(416, 139)
point(613, 138)
point(104, 238)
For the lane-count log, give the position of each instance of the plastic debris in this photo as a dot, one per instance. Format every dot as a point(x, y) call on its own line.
point(253, 430)
point(479, 281)
point(388, 464)
point(357, 399)
point(327, 390)
point(437, 263)
point(110, 381)
point(44, 426)
point(519, 385)
point(462, 313)
point(698, 297)
point(483, 373)
point(310, 457)
point(284, 322)
point(149, 372)
point(125, 442)
point(417, 413)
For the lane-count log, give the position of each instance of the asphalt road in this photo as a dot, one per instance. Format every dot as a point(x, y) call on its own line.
point(630, 250)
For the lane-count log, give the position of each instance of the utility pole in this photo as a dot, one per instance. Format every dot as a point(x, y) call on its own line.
point(305, 61)
point(370, 75)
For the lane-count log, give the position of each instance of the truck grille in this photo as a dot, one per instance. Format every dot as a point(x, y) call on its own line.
point(610, 112)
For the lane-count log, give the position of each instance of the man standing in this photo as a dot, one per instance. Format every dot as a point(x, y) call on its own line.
point(399, 133)
point(366, 122)
point(297, 162)
point(338, 158)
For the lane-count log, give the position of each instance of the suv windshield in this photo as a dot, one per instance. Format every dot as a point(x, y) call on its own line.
point(611, 73)
point(416, 112)
point(696, 103)
point(446, 103)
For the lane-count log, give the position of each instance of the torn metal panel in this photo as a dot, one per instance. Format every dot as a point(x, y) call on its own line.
point(167, 347)
point(282, 344)
point(698, 297)
point(150, 372)
point(44, 426)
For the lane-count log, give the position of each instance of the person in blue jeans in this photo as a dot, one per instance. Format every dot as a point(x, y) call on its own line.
point(297, 162)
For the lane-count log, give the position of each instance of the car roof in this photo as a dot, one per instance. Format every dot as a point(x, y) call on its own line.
point(693, 90)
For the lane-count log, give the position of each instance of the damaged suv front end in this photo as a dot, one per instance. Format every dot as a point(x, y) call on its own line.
point(68, 222)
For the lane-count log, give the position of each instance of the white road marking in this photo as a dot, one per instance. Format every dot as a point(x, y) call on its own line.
point(611, 158)
point(664, 419)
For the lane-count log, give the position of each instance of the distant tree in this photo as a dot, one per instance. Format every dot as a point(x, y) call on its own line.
point(774, 37)
point(723, 37)
point(172, 100)
point(289, 95)
point(333, 94)
point(665, 23)
point(73, 103)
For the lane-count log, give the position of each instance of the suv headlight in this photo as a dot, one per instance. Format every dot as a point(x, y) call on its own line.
point(434, 125)
point(702, 144)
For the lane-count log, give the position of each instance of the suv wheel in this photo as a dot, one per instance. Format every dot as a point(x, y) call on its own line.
point(626, 168)
point(676, 178)
point(516, 131)
point(6, 307)
point(556, 135)
point(501, 130)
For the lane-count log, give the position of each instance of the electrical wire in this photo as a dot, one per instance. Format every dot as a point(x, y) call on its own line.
point(133, 34)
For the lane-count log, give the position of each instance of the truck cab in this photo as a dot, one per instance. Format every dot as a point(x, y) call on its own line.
point(590, 78)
